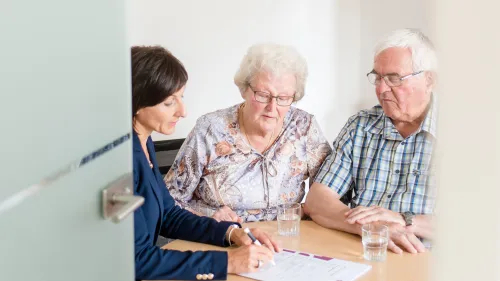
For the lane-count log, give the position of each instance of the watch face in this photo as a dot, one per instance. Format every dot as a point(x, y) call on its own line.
point(408, 218)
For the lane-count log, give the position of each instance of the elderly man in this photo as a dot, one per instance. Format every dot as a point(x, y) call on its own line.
point(381, 163)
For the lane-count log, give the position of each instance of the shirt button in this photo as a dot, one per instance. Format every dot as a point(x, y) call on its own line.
point(397, 171)
point(389, 196)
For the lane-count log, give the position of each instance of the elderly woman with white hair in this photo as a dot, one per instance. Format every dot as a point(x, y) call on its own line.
point(241, 162)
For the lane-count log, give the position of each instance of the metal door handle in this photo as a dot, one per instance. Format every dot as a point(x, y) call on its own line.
point(118, 201)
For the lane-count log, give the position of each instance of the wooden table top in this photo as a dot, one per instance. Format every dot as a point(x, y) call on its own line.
point(318, 240)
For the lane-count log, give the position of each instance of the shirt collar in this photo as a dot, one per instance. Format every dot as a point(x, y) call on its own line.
point(430, 122)
point(376, 124)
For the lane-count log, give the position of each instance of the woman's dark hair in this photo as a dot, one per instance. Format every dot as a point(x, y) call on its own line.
point(156, 74)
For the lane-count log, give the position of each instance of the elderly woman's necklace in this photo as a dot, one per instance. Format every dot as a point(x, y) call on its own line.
point(245, 129)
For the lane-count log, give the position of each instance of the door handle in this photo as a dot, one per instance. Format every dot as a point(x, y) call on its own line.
point(118, 200)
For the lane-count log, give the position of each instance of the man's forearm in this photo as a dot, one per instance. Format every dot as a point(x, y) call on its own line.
point(335, 221)
point(325, 208)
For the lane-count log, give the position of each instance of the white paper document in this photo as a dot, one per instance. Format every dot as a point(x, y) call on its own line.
point(293, 265)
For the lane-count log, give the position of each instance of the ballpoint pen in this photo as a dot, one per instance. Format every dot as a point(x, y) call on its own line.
point(256, 242)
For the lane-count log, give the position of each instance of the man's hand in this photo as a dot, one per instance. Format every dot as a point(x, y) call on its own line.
point(402, 238)
point(364, 215)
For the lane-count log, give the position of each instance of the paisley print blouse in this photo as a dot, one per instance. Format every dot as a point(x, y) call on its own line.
point(216, 166)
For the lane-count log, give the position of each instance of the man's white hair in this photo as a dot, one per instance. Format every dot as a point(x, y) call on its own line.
point(422, 50)
point(274, 59)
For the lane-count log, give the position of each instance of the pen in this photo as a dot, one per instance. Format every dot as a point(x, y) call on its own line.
point(256, 242)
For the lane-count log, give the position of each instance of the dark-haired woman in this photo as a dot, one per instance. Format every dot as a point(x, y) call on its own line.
point(158, 82)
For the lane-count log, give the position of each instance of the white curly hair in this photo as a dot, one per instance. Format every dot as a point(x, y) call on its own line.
point(276, 60)
point(422, 50)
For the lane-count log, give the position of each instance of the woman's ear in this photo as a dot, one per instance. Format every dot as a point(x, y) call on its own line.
point(243, 92)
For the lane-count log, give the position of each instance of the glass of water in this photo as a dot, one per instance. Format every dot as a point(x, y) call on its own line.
point(289, 219)
point(375, 238)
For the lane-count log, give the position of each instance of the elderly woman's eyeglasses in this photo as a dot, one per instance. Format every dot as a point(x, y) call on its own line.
point(265, 97)
point(392, 80)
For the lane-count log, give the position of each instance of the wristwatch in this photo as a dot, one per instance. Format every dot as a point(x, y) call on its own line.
point(408, 217)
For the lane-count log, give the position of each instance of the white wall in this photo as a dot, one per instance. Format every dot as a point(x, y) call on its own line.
point(336, 37)
point(379, 18)
point(469, 154)
point(211, 37)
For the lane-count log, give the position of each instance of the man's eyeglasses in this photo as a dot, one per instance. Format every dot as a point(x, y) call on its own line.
point(392, 80)
point(265, 97)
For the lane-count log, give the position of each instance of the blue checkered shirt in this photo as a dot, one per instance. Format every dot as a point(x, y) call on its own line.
point(371, 159)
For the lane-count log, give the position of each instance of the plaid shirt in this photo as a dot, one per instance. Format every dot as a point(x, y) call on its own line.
point(372, 159)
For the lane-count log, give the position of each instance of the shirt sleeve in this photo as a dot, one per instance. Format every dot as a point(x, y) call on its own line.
point(318, 148)
point(187, 169)
point(152, 262)
point(336, 171)
point(179, 223)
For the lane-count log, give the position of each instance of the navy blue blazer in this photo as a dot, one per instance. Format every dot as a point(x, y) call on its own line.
point(160, 215)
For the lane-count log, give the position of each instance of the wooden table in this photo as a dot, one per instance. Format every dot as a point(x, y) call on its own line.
point(319, 240)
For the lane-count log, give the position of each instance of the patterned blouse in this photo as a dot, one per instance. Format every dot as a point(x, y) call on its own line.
point(216, 166)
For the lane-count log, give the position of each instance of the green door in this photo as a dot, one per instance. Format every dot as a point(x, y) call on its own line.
point(65, 137)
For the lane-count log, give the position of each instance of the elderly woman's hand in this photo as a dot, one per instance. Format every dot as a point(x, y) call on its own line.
point(226, 214)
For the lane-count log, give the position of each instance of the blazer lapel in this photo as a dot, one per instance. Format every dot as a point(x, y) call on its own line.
point(138, 151)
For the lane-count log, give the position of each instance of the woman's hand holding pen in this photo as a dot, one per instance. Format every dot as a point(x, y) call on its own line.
point(246, 257)
point(240, 238)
